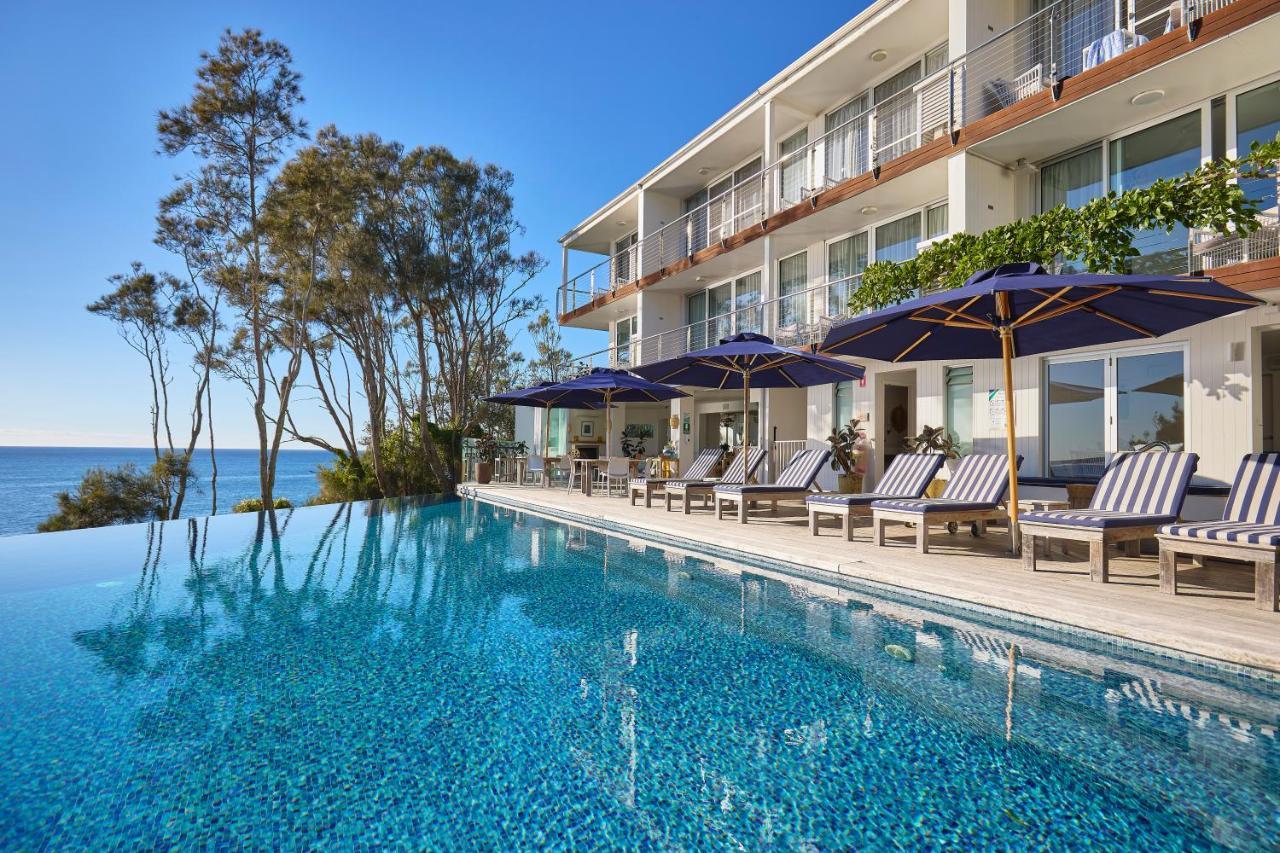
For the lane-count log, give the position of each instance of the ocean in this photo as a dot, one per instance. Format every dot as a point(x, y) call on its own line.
point(30, 477)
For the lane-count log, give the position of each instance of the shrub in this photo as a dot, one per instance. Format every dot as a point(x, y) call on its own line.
point(105, 496)
point(255, 505)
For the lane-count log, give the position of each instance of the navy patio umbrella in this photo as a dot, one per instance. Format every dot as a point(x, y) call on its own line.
point(603, 387)
point(749, 359)
point(521, 397)
point(1020, 309)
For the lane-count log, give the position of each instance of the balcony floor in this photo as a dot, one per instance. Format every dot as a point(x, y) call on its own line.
point(1213, 616)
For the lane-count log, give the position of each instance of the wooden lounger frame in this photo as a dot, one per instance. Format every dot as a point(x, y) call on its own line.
point(1266, 576)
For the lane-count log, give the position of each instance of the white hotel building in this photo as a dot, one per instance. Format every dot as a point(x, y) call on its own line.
point(919, 119)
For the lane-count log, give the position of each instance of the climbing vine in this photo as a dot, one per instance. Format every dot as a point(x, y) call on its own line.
point(1098, 235)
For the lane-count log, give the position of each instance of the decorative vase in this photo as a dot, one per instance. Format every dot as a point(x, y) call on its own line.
point(849, 484)
point(484, 472)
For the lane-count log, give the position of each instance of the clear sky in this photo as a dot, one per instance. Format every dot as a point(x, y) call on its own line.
point(578, 99)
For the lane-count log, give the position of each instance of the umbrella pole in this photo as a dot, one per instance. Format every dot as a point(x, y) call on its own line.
point(1006, 351)
point(608, 423)
point(746, 410)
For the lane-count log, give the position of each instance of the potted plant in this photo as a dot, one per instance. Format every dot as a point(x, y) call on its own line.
point(847, 446)
point(935, 440)
point(487, 447)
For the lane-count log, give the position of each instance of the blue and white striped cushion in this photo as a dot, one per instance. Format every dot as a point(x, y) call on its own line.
point(1255, 494)
point(699, 470)
point(743, 466)
point(910, 474)
point(980, 479)
point(1233, 532)
point(927, 505)
point(803, 469)
point(1100, 518)
point(1146, 483)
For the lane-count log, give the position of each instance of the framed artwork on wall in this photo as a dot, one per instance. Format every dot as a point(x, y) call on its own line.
point(587, 429)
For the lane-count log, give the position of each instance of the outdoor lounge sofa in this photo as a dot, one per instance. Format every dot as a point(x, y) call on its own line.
point(1137, 494)
point(1249, 530)
point(974, 493)
point(907, 477)
point(795, 482)
point(648, 486)
point(741, 470)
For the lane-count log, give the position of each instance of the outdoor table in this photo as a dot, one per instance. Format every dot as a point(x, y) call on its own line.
point(586, 466)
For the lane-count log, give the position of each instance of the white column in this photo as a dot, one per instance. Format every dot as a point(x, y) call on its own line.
point(769, 176)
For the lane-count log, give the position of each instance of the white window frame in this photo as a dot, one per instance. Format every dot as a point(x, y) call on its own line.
point(1110, 396)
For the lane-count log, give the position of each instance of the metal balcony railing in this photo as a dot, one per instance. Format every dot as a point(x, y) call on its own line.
point(733, 210)
point(1061, 40)
point(1208, 250)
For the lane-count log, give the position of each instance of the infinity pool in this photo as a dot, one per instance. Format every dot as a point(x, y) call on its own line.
point(453, 674)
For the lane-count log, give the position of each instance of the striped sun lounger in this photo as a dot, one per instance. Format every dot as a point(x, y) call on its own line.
point(741, 470)
point(699, 470)
point(1137, 494)
point(974, 493)
point(1249, 530)
point(908, 477)
point(795, 482)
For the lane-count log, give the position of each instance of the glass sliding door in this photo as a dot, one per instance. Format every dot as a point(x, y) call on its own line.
point(625, 334)
point(1149, 400)
point(697, 307)
point(1072, 181)
point(1258, 120)
point(624, 263)
point(846, 259)
point(746, 304)
point(846, 153)
point(842, 405)
point(719, 313)
point(1166, 150)
point(792, 279)
point(1110, 403)
point(719, 210)
point(747, 195)
point(694, 237)
point(793, 177)
point(1075, 418)
point(896, 241)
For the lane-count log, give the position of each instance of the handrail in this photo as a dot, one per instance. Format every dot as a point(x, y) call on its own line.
point(1030, 56)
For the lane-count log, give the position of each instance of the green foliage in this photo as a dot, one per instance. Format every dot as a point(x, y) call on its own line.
point(1099, 234)
point(348, 479)
point(105, 496)
point(933, 440)
point(847, 444)
point(255, 505)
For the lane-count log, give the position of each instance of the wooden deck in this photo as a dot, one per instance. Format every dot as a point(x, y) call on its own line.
point(1213, 616)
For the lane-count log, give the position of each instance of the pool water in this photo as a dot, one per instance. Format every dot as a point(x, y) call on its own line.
point(452, 674)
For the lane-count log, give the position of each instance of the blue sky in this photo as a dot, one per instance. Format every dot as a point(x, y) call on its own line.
point(578, 99)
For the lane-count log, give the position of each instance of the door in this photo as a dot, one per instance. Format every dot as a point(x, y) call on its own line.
point(897, 421)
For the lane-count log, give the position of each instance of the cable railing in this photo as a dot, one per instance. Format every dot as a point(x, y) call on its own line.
point(1059, 41)
point(733, 210)
point(1208, 250)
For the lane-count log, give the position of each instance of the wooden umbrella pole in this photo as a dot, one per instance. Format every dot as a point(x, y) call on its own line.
point(1006, 348)
point(746, 410)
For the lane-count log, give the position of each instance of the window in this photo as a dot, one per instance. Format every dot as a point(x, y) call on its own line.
point(960, 407)
point(896, 240)
point(842, 405)
point(557, 428)
point(846, 151)
point(624, 335)
point(794, 174)
point(747, 196)
point(1072, 181)
point(724, 310)
point(935, 221)
point(1258, 120)
point(793, 277)
point(846, 259)
point(1166, 150)
point(624, 265)
point(1119, 401)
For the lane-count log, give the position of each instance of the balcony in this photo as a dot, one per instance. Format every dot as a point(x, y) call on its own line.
point(1064, 39)
point(797, 319)
point(1208, 250)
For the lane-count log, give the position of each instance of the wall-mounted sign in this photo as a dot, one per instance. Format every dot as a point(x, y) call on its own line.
point(996, 408)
